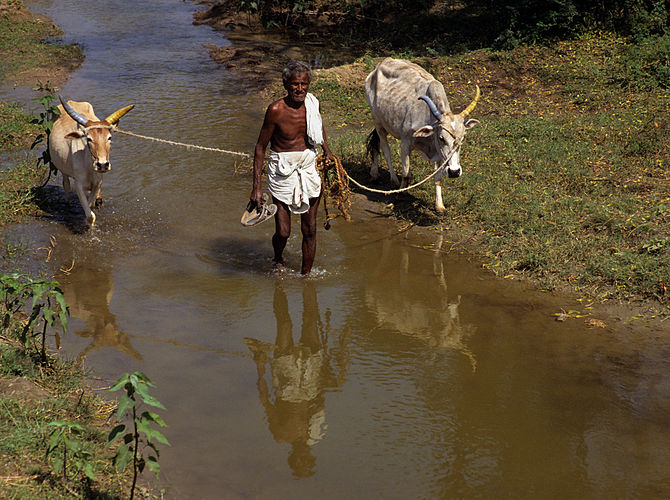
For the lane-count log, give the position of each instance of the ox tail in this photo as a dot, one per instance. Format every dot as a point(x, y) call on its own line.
point(372, 144)
point(46, 160)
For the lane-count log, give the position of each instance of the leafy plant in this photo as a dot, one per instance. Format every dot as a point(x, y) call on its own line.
point(137, 386)
point(47, 305)
point(46, 120)
point(64, 437)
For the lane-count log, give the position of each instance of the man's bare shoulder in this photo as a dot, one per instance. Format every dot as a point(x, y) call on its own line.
point(276, 107)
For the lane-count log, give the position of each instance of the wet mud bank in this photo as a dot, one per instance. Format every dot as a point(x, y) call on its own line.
point(257, 54)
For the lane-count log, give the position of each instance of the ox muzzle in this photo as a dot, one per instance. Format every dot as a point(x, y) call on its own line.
point(452, 173)
point(102, 167)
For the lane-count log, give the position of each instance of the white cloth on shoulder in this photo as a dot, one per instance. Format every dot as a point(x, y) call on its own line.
point(314, 123)
point(293, 178)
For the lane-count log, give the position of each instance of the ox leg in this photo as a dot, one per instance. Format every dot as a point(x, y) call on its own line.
point(95, 196)
point(374, 167)
point(384, 143)
point(405, 150)
point(81, 194)
point(98, 199)
point(66, 187)
point(439, 204)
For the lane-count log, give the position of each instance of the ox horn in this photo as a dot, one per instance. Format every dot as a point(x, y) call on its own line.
point(114, 118)
point(431, 105)
point(472, 105)
point(75, 116)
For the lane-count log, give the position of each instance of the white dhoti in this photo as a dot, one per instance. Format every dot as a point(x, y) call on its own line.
point(293, 178)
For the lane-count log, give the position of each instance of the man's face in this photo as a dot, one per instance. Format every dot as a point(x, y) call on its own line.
point(298, 86)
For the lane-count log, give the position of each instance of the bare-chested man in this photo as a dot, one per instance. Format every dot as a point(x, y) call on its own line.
point(293, 128)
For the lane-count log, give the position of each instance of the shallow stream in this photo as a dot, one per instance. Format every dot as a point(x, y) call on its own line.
point(400, 369)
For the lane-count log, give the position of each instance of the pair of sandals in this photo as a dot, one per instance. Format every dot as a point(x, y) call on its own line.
point(254, 215)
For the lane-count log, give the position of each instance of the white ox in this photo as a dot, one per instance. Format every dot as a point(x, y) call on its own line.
point(408, 103)
point(79, 146)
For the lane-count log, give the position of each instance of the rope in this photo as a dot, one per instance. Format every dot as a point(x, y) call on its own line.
point(407, 188)
point(174, 143)
point(339, 169)
point(337, 189)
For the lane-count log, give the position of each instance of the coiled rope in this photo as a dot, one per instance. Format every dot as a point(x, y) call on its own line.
point(335, 186)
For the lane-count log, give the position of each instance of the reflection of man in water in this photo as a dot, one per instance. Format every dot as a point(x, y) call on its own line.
point(297, 415)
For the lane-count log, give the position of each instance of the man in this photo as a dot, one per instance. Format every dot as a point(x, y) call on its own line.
point(293, 127)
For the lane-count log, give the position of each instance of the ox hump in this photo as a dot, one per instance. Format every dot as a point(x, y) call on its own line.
point(404, 70)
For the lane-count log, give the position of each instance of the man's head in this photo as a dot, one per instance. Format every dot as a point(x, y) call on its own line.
point(297, 76)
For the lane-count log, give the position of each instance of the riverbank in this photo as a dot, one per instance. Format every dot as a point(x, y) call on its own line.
point(38, 394)
point(565, 181)
point(28, 57)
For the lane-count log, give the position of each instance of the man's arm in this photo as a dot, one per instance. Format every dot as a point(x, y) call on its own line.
point(326, 148)
point(259, 156)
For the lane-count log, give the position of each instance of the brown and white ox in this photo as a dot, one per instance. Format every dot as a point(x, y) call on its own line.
point(79, 146)
point(408, 103)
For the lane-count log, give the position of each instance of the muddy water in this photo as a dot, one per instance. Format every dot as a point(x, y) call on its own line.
point(399, 370)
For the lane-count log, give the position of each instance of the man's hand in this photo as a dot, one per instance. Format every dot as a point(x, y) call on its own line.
point(256, 198)
point(329, 157)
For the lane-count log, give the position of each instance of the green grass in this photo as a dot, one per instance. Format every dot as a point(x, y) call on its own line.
point(16, 190)
point(56, 391)
point(16, 131)
point(566, 180)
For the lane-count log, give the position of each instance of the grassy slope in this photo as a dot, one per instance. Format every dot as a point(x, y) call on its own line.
point(56, 392)
point(566, 179)
point(23, 44)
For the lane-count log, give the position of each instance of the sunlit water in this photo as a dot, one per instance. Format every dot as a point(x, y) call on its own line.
point(398, 370)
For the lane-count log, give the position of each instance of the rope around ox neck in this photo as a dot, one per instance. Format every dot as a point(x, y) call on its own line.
point(407, 188)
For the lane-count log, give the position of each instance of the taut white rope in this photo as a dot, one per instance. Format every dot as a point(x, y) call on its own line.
point(174, 143)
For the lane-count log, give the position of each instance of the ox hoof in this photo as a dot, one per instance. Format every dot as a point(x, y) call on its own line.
point(440, 210)
point(98, 202)
point(91, 219)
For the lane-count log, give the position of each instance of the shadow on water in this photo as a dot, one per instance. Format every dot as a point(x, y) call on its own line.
point(51, 200)
point(301, 372)
point(239, 255)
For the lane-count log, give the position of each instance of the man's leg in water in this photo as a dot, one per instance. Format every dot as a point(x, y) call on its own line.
point(308, 228)
point(282, 230)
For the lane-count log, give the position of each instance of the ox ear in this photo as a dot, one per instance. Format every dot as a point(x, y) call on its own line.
point(470, 123)
point(425, 131)
point(75, 134)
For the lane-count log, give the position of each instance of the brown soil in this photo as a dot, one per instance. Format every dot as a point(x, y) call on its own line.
point(22, 388)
